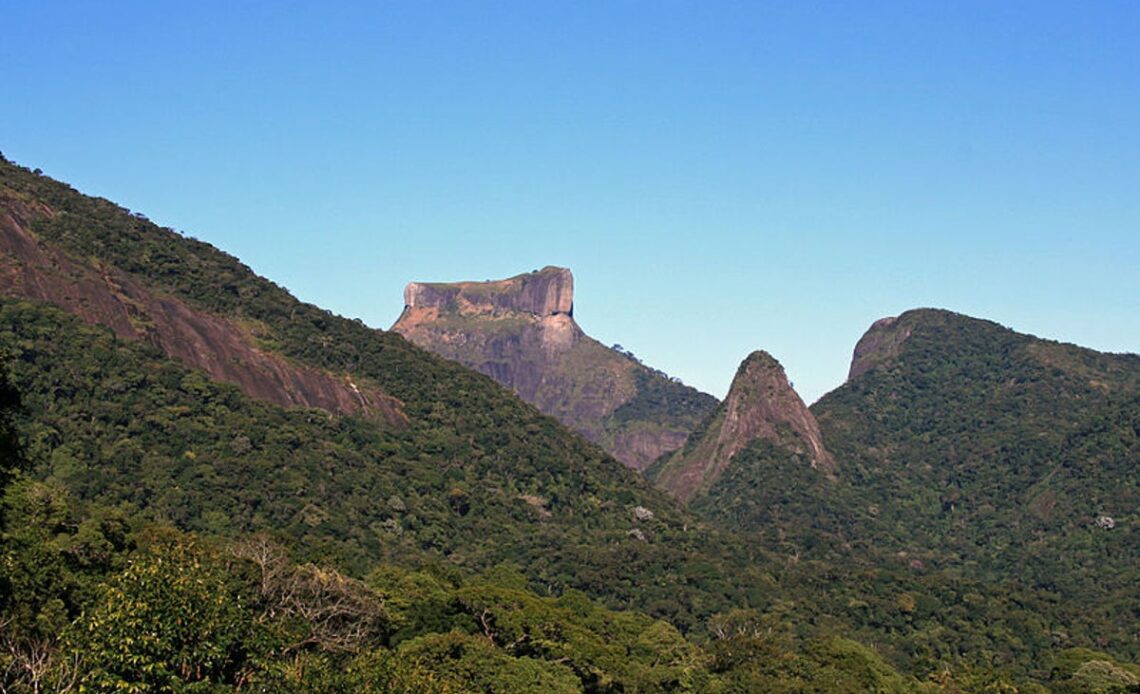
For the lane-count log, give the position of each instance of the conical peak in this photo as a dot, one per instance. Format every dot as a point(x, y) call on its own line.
point(760, 404)
point(760, 377)
point(762, 386)
point(760, 400)
point(545, 292)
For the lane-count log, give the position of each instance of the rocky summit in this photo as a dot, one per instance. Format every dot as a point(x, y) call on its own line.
point(761, 405)
point(521, 332)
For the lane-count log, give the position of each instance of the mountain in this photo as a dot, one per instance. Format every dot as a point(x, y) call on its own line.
point(521, 332)
point(758, 467)
point(972, 449)
point(960, 461)
point(761, 406)
point(997, 439)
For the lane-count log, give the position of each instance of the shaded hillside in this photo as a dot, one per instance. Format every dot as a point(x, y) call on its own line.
point(101, 293)
point(521, 332)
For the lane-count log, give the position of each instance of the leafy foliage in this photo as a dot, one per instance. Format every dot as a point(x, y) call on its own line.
point(170, 619)
point(11, 457)
point(664, 401)
point(174, 613)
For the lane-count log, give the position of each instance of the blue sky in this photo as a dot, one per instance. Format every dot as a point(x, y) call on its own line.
point(720, 176)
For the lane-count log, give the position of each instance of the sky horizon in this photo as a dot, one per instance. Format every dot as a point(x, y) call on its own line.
point(721, 176)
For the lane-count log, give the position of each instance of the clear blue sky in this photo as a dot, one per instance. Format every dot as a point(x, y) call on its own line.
point(720, 176)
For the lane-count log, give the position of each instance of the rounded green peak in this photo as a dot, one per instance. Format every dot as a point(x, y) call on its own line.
point(884, 339)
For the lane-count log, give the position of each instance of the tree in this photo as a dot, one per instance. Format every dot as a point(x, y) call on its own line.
point(321, 607)
point(172, 618)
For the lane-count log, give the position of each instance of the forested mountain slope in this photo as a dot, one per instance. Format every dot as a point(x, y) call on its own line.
point(973, 449)
point(965, 462)
point(989, 445)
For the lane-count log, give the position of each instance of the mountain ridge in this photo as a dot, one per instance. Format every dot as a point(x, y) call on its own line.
point(470, 474)
point(974, 448)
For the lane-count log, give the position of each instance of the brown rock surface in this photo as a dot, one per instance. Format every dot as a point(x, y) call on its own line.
point(224, 349)
point(543, 293)
point(761, 404)
point(521, 332)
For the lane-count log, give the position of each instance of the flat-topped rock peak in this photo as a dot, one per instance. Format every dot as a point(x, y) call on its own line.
point(545, 292)
point(521, 332)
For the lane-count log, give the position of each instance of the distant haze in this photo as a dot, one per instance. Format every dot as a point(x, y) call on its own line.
point(720, 176)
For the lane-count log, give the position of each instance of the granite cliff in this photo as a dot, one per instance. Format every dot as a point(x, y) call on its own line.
point(521, 332)
point(761, 406)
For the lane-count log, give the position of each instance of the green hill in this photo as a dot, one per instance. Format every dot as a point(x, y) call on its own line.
point(983, 496)
point(974, 450)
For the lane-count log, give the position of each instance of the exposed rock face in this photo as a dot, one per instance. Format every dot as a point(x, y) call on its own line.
point(761, 404)
point(880, 343)
point(545, 293)
point(227, 351)
point(521, 332)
